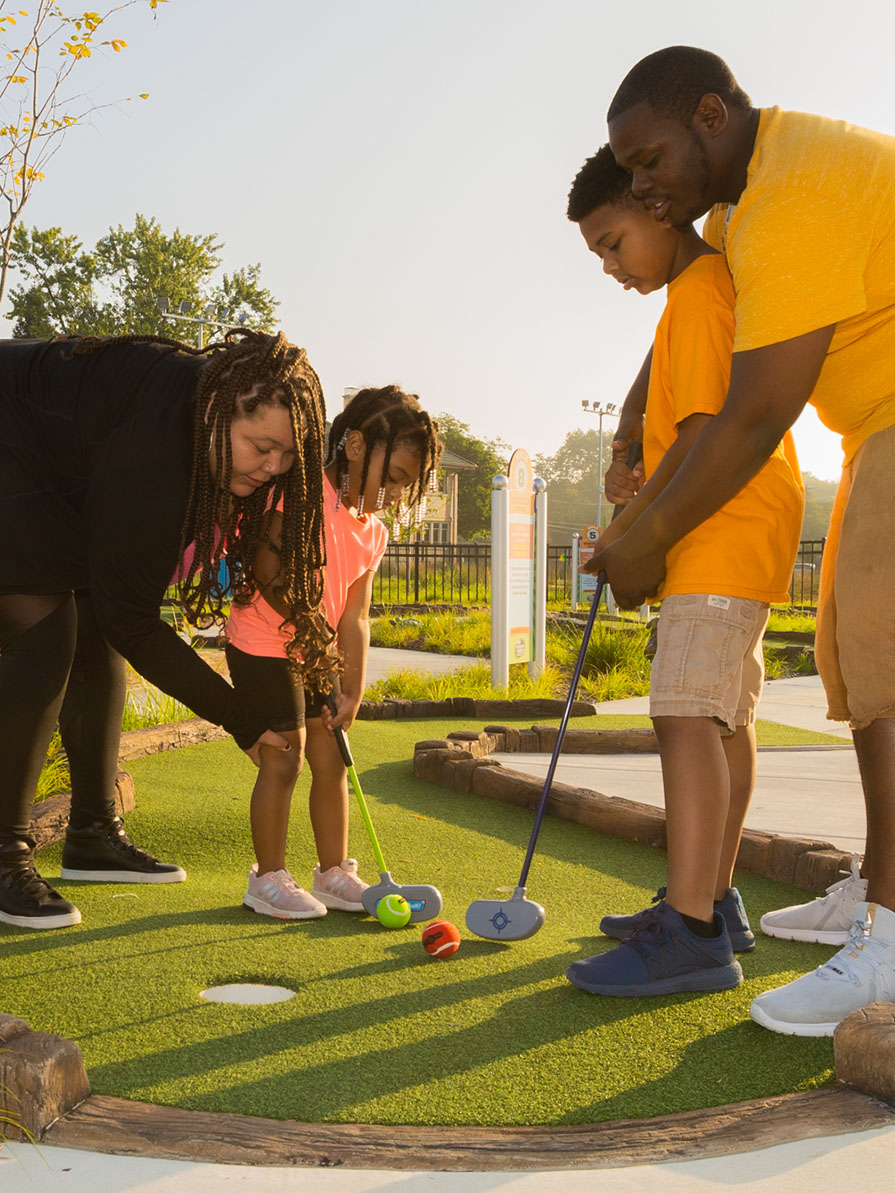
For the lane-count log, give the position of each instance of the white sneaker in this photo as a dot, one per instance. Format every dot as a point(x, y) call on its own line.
point(825, 920)
point(339, 887)
point(859, 974)
point(277, 893)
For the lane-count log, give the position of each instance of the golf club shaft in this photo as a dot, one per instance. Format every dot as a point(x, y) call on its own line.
point(561, 733)
point(345, 750)
point(633, 457)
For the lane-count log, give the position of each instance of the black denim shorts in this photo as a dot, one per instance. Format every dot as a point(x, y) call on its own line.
point(271, 686)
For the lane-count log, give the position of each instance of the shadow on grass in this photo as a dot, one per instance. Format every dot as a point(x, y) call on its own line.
point(704, 1069)
point(328, 1090)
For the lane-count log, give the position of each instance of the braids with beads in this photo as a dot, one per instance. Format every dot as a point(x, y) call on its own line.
point(245, 371)
point(386, 417)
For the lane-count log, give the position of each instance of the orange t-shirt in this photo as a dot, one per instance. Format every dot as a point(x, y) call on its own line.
point(812, 242)
point(747, 549)
point(354, 546)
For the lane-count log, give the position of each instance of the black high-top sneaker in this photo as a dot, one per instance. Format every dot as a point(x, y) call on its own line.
point(102, 853)
point(26, 899)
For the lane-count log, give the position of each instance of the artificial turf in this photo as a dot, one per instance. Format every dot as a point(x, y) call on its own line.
point(379, 1031)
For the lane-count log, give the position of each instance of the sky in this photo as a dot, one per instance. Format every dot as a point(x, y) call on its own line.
point(399, 169)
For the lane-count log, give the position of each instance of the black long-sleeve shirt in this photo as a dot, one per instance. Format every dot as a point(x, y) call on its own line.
point(95, 461)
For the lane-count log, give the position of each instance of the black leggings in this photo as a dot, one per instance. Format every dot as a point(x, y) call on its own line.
point(55, 666)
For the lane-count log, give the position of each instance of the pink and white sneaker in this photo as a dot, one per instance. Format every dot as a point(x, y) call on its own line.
point(339, 887)
point(279, 895)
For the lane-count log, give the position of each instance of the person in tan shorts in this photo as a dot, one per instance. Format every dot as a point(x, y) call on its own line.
point(803, 208)
point(708, 669)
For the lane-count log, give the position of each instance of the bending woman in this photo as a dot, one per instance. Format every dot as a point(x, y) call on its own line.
point(115, 457)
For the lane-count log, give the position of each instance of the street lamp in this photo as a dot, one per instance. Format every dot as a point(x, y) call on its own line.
point(609, 410)
point(182, 313)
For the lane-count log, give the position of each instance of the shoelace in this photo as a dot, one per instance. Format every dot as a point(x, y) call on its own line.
point(25, 880)
point(119, 838)
point(853, 876)
point(857, 961)
point(289, 884)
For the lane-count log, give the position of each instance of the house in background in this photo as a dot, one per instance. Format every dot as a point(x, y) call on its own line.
point(440, 522)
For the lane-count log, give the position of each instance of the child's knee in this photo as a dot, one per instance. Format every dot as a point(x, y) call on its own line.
point(283, 765)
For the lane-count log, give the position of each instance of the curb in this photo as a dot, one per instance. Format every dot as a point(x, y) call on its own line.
point(461, 761)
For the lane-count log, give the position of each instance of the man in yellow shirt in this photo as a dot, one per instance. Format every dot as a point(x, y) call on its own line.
point(708, 670)
point(804, 209)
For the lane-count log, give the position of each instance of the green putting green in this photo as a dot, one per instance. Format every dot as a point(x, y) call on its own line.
point(378, 1031)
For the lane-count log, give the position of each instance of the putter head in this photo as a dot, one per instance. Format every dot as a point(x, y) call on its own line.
point(425, 901)
point(516, 918)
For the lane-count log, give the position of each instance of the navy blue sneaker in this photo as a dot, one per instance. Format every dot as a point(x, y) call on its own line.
point(663, 957)
point(742, 938)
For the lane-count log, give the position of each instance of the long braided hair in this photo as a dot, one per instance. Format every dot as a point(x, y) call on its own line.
point(244, 371)
point(387, 417)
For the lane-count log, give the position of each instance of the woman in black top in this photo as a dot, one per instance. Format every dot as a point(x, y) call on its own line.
point(115, 456)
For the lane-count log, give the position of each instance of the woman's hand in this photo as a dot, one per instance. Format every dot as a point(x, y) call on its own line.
point(267, 738)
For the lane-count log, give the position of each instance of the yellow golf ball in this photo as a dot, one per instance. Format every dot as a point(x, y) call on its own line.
point(393, 911)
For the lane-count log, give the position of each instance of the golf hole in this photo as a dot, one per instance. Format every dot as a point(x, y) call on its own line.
point(247, 994)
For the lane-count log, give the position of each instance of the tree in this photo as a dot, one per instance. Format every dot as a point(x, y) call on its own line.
point(572, 483)
point(115, 288)
point(819, 496)
point(38, 102)
point(490, 458)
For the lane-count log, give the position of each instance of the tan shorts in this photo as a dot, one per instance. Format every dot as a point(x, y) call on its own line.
point(709, 661)
point(855, 644)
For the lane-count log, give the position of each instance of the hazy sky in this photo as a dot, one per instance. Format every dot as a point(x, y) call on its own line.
point(399, 168)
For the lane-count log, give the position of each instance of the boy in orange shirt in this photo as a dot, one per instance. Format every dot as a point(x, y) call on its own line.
point(720, 578)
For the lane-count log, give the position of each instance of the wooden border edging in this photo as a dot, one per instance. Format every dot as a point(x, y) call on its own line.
point(461, 761)
point(120, 1127)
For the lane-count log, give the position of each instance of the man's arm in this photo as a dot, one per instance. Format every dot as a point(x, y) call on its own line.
point(687, 432)
point(769, 387)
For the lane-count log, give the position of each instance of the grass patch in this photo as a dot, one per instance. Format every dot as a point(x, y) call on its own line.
point(380, 1032)
point(788, 619)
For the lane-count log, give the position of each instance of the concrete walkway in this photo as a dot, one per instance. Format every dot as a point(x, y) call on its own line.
point(805, 791)
point(858, 1161)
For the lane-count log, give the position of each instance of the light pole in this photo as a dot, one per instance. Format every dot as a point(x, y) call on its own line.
point(163, 306)
point(601, 412)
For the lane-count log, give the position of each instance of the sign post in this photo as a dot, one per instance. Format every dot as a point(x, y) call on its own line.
point(518, 570)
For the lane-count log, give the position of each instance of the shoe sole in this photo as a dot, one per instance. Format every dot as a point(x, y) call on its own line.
point(724, 978)
point(66, 920)
point(805, 935)
point(250, 903)
point(739, 943)
point(120, 876)
point(763, 1019)
point(334, 902)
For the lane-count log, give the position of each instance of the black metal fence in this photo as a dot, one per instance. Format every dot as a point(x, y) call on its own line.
point(460, 574)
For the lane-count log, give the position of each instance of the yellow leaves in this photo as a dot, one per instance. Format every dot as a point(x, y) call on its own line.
point(117, 45)
point(18, 78)
point(144, 95)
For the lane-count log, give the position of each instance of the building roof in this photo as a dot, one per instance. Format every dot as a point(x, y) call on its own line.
point(451, 462)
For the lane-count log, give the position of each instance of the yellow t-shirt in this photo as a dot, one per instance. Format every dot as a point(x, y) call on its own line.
point(812, 242)
point(747, 549)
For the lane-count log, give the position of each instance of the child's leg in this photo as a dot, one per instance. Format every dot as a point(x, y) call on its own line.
point(329, 795)
point(697, 797)
point(741, 764)
point(708, 672)
point(272, 800)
